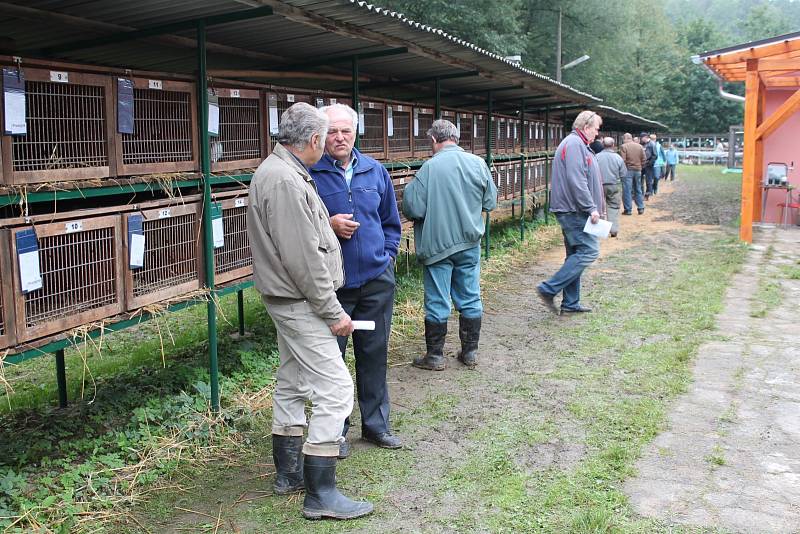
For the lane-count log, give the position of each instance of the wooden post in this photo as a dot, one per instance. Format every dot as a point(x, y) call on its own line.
point(753, 160)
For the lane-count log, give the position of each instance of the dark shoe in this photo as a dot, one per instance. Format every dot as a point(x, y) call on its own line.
point(287, 456)
point(322, 499)
point(435, 334)
point(613, 234)
point(641, 211)
point(384, 440)
point(547, 299)
point(627, 213)
point(647, 196)
point(344, 449)
point(579, 309)
point(469, 331)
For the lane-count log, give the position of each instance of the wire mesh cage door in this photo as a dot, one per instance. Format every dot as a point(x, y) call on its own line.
point(398, 130)
point(79, 265)
point(373, 132)
point(7, 326)
point(171, 260)
point(479, 134)
point(277, 103)
point(422, 122)
point(68, 127)
point(516, 136)
point(503, 178)
point(164, 129)
point(466, 131)
point(239, 144)
point(400, 179)
point(233, 260)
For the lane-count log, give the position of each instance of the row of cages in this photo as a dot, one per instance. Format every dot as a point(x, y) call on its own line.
point(67, 125)
point(85, 266)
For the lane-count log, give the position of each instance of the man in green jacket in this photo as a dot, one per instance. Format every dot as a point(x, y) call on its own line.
point(445, 201)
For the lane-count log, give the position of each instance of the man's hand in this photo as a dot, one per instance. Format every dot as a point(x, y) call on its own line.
point(595, 217)
point(343, 226)
point(344, 327)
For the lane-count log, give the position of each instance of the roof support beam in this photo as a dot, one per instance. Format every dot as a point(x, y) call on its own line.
point(162, 29)
point(752, 161)
point(774, 121)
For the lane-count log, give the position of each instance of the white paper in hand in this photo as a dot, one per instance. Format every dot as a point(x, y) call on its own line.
point(601, 229)
point(363, 325)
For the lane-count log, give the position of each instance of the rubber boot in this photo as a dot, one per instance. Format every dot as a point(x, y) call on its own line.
point(287, 455)
point(435, 333)
point(469, 330)
point(323, 500)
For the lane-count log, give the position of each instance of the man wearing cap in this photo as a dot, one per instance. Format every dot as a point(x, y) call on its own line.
point(648, 170)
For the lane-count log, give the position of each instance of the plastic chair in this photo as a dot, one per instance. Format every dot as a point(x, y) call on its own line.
point(786, 209)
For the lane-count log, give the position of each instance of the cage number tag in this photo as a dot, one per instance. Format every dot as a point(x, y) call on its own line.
point(290, 98)
point(137, 251)
point(389, 122)
point(416, 122)
point(30, 277)
point(238, 203)
point(360, 119)
point(273, 114)
point(235, 93)
point(333, 101)
point(60, 77)
point(155, 84)
point(474, 128)
point(74, 226)
point(217, 228)
point(165, 213)
point(402, 181)
point(14, 101)
point(371, 105)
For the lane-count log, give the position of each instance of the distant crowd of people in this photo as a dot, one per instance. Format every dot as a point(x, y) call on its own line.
point(324, 230)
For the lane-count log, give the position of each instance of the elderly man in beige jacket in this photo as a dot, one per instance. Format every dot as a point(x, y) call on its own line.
point(297, 263)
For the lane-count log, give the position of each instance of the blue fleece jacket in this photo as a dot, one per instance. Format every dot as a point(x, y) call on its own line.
point(370, 198)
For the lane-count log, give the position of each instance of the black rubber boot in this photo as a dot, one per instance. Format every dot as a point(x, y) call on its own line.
point(469, 330)
point(435, 333)
point(287, 455)
point(323, 500)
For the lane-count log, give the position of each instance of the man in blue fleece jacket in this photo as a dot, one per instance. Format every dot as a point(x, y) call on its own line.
point(577, 195)
point(445, 200)
point(359, 196)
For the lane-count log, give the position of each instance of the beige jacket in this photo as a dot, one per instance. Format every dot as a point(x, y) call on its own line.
point(296, 255)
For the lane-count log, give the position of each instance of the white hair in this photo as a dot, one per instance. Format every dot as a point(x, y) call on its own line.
point(342, 107)
point(443, 130)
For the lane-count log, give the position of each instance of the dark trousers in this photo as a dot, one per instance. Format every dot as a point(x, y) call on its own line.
point(373, 301)
point(649, 176)
point(669, 172)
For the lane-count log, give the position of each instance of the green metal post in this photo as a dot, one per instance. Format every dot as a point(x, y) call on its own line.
point(489, 130)
point(61, 378)
point(524, 158)
point(240, 309)
point(547, 164)
point(355, 95)
point(437, 112)
point(208, 237)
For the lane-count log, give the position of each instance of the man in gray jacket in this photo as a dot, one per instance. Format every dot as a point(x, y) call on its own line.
point(577, 195)
point(613, 170)
point(297, 266)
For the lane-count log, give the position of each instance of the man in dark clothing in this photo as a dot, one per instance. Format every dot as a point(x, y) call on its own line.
point(650, 156)
point(577, 195)
point(359, 195)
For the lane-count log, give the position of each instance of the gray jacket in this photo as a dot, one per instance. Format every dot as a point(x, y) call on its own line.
point(612, 168)
point(577, 186)
point(296, 255)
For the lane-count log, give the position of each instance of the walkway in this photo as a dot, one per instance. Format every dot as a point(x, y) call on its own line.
point(729, 457)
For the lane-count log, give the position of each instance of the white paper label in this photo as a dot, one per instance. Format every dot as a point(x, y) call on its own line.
point(475, 128)
point(235, 93)
point(273, 120)
point(371, 105)
point(238, 203)
point(15, 113)
point(508, 129)
point(363, 325)
point(137, 250)
point(290, 98)
point(213, 119)
point(458, 122)
point(219, 232)
point(402, 181)
point(155, 84)
point(30, 277)
point(399, 108)
point(360, 120)
point(60, 77)
point(333, 101)
point(389, 122)
point(515, 130)
point(165, 213)
point(73, 226)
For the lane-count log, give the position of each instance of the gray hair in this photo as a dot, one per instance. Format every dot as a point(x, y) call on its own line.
point(342, 107)
point(586, 118)
point(627, 137)
point(299, 123)
point(608, 142)
point(443, 130)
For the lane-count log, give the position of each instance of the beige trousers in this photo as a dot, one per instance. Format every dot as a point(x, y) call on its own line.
point(311, 368)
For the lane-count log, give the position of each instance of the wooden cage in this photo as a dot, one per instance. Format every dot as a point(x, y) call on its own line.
point(372, 129)
point(233, 260)
point(479, 137)
point(240, 143)
point(401, 178)
point(164, 129)
point(277, 103)
point(172, 259)
point(79, 264)
point(69, 118)
point(399, 131)
point(466, 129)
point(423, 120)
